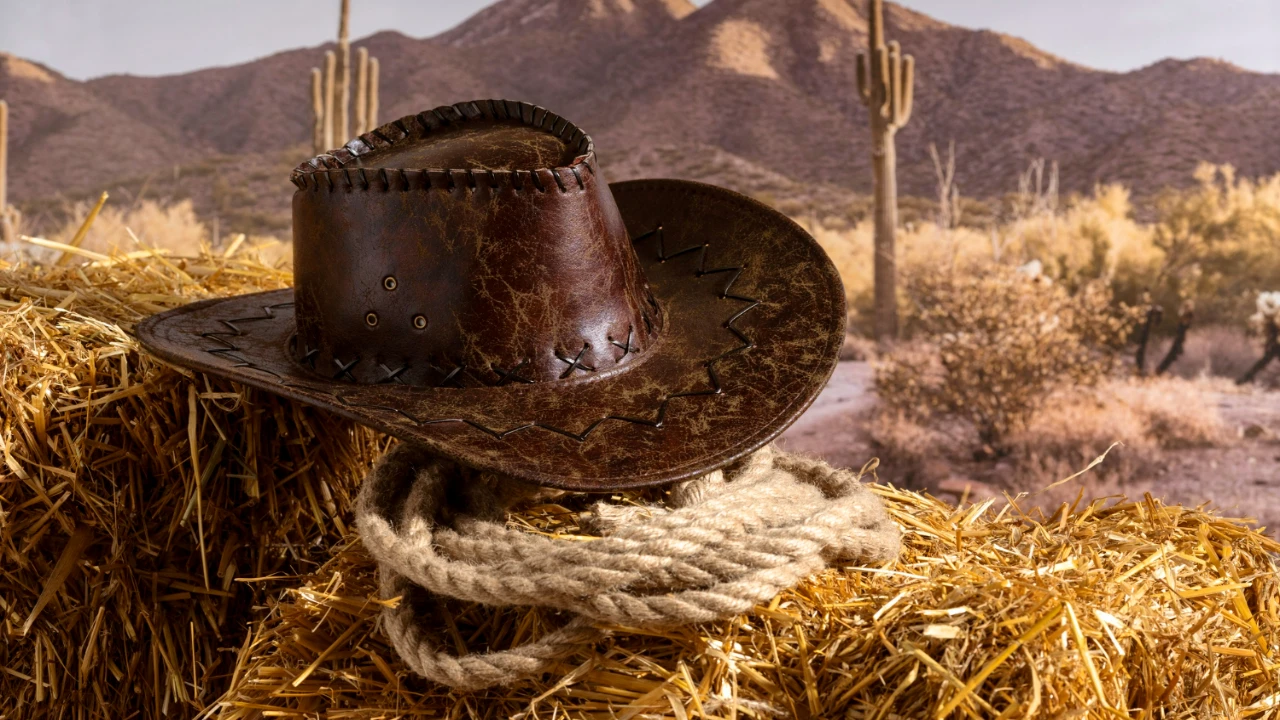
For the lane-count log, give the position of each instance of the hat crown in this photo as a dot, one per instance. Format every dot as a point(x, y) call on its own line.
point(474, 244)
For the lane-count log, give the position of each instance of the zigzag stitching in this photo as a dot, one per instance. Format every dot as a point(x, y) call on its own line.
point(657, 423)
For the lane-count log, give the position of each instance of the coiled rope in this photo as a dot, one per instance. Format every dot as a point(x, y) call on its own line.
point(717, 547)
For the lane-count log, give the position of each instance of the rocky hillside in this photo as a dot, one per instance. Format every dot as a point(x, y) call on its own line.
point(757, 94)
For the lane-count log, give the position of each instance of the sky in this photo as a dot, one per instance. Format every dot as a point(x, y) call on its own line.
point(89, 38)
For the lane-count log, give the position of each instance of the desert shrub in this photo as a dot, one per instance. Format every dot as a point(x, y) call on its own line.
point(919, 452)
point(120, 229)
point(1174, 413)
point(1090, 239)
point(1136, 419)
point(1217, 243)
point(1220, 242)
point(857, 348)
point(922, 250)
point(1005, 342)
point(1144, 415)
point(154, 224)
point(1096, 239)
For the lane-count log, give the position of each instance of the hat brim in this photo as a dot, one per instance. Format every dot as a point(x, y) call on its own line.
point(755, 317)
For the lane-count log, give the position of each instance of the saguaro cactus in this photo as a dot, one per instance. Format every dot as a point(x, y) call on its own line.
point(371, 99)
point(341, 116)
point(330, 132)
point(362, 90)
point(8, 215)
point(4, 158)
point(319, 139)
point(331, 92)
point(885, 83)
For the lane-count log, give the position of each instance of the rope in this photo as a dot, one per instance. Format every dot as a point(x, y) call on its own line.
point(719, 546)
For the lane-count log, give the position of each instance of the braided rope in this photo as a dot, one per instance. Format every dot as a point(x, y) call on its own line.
point(721, 545)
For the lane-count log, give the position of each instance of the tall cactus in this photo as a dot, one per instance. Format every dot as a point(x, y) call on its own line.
point(885, 83)
point(326, 104)
point(331, 92)
point(8, 215)
point(341, 114)
point(4, 158)
point(371, 99)
point(362, 91)
point(319, 140)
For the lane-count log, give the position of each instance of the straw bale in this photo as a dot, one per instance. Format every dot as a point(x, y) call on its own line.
point(1102, 610)
point(146, 513)
point(174, 545)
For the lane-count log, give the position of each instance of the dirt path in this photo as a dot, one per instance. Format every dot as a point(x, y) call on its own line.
point(1241, 479)
point(834, 427)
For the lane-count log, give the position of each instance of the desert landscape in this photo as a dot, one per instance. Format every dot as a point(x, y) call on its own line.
point(1086, 344)
point(1097, 176)
point(644, 82)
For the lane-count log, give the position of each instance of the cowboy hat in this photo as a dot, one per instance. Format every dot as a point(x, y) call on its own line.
point(465, 280)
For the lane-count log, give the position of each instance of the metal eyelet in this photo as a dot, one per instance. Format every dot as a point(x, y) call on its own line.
point(371, 319)
point(389, 282)
point(420, 322)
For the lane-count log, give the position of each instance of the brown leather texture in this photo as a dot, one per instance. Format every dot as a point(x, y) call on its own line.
point(480, 275)
point(514, 312)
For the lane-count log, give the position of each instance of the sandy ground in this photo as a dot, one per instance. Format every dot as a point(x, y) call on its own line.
point(833, 427)
point(1242, 479)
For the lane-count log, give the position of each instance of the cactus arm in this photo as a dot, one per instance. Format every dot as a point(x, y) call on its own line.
point(330, 99)
point(317, 111)
point(864, 91)
point(908, 91)
point(893, 88)
point(880, 66)
point(362, 91)
point(331, 91)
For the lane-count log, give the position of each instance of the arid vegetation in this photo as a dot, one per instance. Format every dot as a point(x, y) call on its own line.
point(1018, 318)
point(998, 345)
point(181, 546)
point(1021, 319)
point(138, 228)
point(1217, 243)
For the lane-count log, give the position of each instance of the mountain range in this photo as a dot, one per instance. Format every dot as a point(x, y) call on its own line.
point(755, 94)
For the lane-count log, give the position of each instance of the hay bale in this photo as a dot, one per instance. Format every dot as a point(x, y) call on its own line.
point(167, 544)
point(145, 512)
point(1133, 609)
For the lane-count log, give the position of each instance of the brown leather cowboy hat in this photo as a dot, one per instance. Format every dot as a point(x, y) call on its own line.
point(467, 281)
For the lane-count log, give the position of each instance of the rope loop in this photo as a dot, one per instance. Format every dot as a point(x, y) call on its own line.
point(717, 547)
